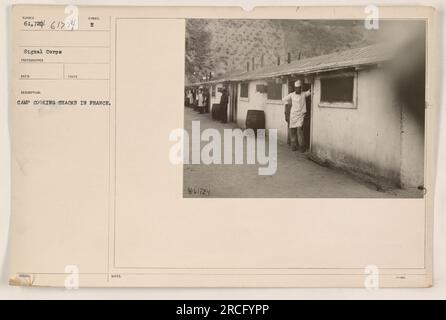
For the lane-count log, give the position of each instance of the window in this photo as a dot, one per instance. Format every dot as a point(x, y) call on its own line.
point(261, 88)
point(213, 91)
point(244, 90)
point(274, 90)
point(338, 90)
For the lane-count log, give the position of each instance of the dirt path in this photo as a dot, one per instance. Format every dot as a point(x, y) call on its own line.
point(296, 176)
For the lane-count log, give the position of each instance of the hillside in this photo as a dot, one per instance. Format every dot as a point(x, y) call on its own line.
point(219, 46)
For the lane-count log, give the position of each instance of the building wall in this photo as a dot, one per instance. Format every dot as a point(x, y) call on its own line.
point(274, 110)
point(367, 138)
point(412, 155)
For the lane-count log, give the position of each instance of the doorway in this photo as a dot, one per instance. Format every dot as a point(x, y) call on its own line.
point(233, 93)
point(306, 85)
point(307, 119)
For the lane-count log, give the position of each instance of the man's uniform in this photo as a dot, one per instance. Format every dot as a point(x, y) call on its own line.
point(297, 115)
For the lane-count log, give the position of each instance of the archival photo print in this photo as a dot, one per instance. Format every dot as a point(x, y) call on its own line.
point(304, 109)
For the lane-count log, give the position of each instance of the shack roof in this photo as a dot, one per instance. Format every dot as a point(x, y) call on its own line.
point(368, 55)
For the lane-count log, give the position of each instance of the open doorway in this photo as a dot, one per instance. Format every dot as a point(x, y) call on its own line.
point(307, 119)
point(233, 97)
point(306, 85)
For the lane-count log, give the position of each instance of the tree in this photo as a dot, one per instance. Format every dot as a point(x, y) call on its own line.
point(198, 62)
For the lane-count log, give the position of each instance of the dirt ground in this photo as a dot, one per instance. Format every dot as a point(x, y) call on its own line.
point(296, 176)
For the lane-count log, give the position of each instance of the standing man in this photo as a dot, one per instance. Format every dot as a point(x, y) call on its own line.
point(224, 99)
point(297, 115)
point(200, 98)
point(206, 100)
point(191, 98)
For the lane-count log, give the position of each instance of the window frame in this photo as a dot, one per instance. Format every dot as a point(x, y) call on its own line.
point(240, 91)
point(275, 101)
point(341, 105)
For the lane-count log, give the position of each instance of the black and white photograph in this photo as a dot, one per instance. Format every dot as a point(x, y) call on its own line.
point(304, 108)
point(210, 151)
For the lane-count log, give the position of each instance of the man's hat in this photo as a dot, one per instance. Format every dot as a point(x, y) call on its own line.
point(297, 83)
